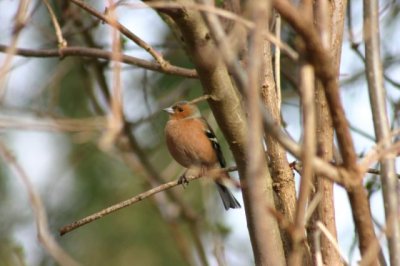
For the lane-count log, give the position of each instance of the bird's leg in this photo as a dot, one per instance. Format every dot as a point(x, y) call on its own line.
point(189, 173)
point(183, 180)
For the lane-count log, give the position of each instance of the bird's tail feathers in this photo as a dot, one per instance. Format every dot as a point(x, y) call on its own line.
point(229, 201)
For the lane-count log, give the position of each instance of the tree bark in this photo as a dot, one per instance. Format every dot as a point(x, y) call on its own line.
point(329, 19)
point(227, 108)
point(281, 172)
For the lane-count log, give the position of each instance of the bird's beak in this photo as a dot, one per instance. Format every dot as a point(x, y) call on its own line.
point(169, 110)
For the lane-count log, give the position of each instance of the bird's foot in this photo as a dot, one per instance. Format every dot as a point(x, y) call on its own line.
point(183, 181)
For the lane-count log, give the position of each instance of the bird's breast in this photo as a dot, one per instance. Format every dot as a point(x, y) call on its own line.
point(189, 145)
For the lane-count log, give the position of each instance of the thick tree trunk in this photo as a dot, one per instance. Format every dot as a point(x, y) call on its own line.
point(228, 111)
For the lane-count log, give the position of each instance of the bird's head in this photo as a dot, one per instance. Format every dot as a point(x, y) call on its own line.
point(182, 110)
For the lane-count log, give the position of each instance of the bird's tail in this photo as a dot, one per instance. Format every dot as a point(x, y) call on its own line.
point(228, 199)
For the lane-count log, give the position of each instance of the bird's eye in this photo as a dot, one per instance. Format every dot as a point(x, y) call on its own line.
point(180, 110)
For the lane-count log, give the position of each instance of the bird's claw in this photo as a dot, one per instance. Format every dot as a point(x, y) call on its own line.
point(183, 181)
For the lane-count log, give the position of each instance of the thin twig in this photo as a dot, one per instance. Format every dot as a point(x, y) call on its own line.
point(135, 199)
point(332, 240)
point(61, 41)
point(19, 23)
point(225, 14)
point(378, 152)
point(203, 98)
point(378, 172)
point(39, 211)
point(115, 24)
point(321, 167)
point(355, 45)
point(317, 244)
point(101, 54)
point(313, 205)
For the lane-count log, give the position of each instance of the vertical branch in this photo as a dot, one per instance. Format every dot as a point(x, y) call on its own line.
point(282, 174)
point(322, 62)
point(212, 66)
point(329, 20)
point(317, 243)
point(308, 152)
point(277, 64)
point(19, 24)
point(257, 175)
point(115, 119)
point(377, 96)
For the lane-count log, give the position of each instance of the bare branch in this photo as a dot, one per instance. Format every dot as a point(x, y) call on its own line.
point(321, 167)
point(19, 24)
point(115, 24)
point(327, 72)
point(211, 9)
point(317, 244)
point(331, 239)
point(203, 98)
point(377, 96)
point(135, 199)
point(39, 211)
point(101, 54)
point(258, 180)
point(115, 118)
point(277, 64)
point(308, 153)
point(61, 41)
point(321, 60)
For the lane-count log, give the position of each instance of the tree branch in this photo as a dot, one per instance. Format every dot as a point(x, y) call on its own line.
point(228, 111)
point(258, 179)
point(322, 62)
point(42, 226)
point(101, 54)
point(327, 73)
point(281, 172)
point(307, 81)
point(70, 227)
point(377, 95)
point(115, 24)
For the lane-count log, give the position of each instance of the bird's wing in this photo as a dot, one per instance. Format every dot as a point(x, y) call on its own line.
point(214, 141)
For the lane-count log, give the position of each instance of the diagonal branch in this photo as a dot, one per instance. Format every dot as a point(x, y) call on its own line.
point(135, 199)
point(115, 24)
point(61, 41)
point(39, 211)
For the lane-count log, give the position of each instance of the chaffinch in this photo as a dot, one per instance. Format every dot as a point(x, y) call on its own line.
point(193, 144)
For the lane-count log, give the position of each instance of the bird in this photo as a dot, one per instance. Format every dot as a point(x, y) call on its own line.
point(193, 144)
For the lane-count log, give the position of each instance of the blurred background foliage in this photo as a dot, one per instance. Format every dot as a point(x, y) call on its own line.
point(85, 179)
point(80, 178)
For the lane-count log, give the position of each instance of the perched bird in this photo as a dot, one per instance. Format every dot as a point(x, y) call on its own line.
point(193, 144)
